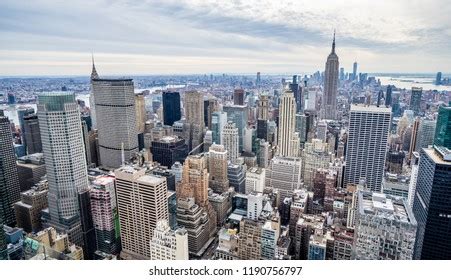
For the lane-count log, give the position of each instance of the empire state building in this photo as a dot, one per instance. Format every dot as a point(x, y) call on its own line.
point(329, 103)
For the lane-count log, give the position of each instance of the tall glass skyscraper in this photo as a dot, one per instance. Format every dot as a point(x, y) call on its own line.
point(171, 107)
point(443, 128)
point(431, 205)
point(9, 180)
point(64, 153)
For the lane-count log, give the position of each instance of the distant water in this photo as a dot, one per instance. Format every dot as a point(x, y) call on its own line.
point(11, 110)
point(427, 82)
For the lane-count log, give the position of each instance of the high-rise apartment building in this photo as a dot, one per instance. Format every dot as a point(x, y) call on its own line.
point(168, 244)
point(250, 241)
point(114, 101)
point(367, 145)
point(354, 71)
point(65, 162)
point(231, 141)
point(105, 214)
point(385, 228)
point(431, 204)
point(9, 179)
point(217, 168)
point(331, 85)
point(171, 107)
point(142, 202)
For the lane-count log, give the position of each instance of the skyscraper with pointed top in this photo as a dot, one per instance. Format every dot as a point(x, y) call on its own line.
point(94, 74)
point(329, 103)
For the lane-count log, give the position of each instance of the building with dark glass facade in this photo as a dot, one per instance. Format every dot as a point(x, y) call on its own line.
point(171, 107)
point(415, 100)
point(443, 128)
point(169, 149)
point(431, 206)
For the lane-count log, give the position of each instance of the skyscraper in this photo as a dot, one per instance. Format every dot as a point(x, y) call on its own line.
point(438, 78)
point(238, 96)
point(231, 141)
point(3, 244)
point(431, 205)
point(218, 121)
point(415, 100)
point(366, 145)
point(297, 93)
point(171, 107)
point(388, 96)
point(32, 134)
point(239, 114)
point(116, 120)
point(331, 84)
point(217, 168)
point(443, 128)
point(9, 179)
point(262, 107)
point(288, 139)
point(192, 203)
point(65, 162)
point(425, 135)
point(142, 202)
point(23, 112)
point(354, 71)
point(194, 114)
point(105, 214)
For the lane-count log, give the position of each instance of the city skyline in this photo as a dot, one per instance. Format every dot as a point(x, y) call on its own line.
point(330, 163)
point(190, 37)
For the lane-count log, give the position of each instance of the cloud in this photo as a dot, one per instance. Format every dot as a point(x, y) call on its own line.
point(237, 35)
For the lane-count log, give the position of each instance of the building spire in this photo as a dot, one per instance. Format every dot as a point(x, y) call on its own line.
point(94, 74)
point(333, 43)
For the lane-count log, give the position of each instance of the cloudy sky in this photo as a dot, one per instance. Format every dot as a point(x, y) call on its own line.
point(50, 37)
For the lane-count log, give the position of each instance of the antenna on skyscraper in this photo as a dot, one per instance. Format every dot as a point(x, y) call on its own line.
point(122, 154)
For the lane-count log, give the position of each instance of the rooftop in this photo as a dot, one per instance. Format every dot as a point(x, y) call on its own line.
point(153, 180)
point(384, 206)
point(370, 108)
